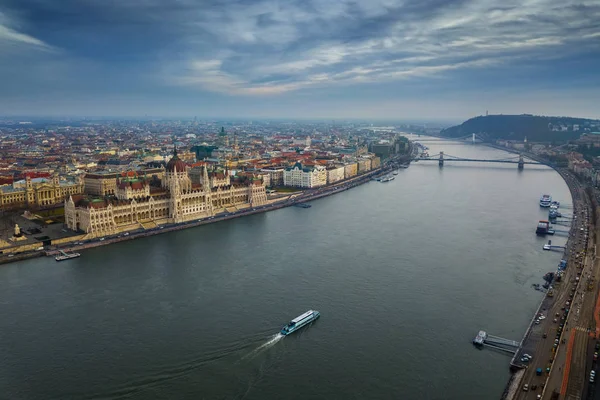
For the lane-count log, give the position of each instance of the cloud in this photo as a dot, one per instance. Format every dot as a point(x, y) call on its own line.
point(261, 49)
point(273, 48)
point(11, 36)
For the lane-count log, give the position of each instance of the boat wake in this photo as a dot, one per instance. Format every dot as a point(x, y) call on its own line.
point(269, 343)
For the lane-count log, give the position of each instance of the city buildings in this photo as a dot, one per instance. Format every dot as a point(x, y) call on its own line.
point(91, 157)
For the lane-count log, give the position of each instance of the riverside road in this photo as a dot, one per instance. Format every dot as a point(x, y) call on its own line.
point(567, 315)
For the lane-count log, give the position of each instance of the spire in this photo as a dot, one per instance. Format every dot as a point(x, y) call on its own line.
point(205, 180)
point(175, 181)
point(174, 149)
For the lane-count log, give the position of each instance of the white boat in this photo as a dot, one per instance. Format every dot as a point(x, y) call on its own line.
point(545, 200)
point(300, 321)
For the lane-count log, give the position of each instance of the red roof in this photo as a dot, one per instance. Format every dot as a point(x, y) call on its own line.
point(36, 174)
point(137, 185)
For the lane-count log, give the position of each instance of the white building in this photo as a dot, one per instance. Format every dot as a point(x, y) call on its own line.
point(305, 176)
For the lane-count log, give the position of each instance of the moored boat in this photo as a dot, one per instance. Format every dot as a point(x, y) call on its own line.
point(543, 228)
point(302, 205)
point(300, 321)
point(545, 200)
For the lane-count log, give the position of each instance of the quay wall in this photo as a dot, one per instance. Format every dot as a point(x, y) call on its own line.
point(514, 383)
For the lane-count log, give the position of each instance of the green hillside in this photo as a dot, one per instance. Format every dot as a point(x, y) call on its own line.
point(517, 127)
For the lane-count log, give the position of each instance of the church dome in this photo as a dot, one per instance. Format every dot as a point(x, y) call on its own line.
point(176, 162)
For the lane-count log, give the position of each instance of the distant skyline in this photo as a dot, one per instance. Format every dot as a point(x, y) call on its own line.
point(369, 59)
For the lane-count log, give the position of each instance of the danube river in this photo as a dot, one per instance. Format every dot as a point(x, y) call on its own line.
point(404, 274)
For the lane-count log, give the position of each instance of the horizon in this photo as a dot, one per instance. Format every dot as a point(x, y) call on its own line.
point(368, 59)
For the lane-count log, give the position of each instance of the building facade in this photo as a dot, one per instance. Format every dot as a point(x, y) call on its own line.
point(335, 174)
point(178, 199)
point(375, 162)
point(350, 170)
point(39, 192)
point(105, 183)
point(305, 176)
point(276, 174)
point(101, 184)
point(364, 165)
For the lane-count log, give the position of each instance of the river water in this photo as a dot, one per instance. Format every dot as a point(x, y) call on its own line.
point(404, 274)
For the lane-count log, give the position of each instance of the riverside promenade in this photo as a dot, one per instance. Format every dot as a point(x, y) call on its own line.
point(546, 340)
point(286, 201)
point(569, 314)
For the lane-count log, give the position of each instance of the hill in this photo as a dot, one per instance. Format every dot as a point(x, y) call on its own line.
point(517, 127)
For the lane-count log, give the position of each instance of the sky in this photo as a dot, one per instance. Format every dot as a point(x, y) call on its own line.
point(392, 59)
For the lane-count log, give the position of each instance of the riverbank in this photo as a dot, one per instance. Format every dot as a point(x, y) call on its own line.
point(543, 339)
point(286, 201)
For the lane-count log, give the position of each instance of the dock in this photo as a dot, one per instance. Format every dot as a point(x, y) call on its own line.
point(496, 342)
point(549, 246)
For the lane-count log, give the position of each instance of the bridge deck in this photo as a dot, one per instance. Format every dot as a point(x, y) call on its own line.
point(479, 160)
point(501, 341)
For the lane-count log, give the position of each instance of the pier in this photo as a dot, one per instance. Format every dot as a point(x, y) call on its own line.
point(496, 342)
point(550, 246)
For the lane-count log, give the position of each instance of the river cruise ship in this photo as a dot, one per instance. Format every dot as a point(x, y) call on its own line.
point(300, 321)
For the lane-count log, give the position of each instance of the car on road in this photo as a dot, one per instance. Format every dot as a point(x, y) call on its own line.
point(525, 387)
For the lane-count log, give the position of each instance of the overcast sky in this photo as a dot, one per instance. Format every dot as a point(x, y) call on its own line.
point(300, 58)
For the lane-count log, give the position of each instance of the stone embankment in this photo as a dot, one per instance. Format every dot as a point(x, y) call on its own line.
point(286, 201)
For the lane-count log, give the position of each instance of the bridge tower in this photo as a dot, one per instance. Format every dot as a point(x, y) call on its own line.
point(521, 163)
point(473, 139)
point(441, 161)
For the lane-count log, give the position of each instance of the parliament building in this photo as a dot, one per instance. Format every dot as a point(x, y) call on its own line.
point(182, 194)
